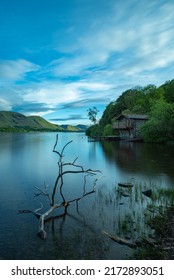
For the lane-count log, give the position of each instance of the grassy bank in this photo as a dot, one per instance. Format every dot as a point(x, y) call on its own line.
point(161, 221)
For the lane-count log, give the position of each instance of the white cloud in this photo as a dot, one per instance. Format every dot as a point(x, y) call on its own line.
point(135, 37)
point(51, 93)
point(55, 93)
point(5, 105)
point(132, 44)
point(38, 113)
point(15, 70)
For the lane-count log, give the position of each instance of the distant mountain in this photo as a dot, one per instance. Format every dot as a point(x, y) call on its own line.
point(44, 124)
point(82, 127)
point(14, 122)
point(77, 128)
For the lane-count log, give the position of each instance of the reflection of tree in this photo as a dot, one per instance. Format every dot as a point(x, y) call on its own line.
point(93, 152)
point(140, 157)
point(79, 218)
point(84, 241)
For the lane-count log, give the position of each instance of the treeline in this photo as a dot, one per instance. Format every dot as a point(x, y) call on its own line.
point(156, 102)
point(26, 129)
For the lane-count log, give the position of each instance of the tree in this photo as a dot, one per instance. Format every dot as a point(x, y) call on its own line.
point(168, 88)
point(56, 198)
point(92, 114)
point(108, 130)
point(160, 127)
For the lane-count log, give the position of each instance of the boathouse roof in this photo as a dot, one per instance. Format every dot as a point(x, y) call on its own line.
point(132, 116)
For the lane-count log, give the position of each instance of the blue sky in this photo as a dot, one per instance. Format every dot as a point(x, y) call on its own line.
point(60, 57)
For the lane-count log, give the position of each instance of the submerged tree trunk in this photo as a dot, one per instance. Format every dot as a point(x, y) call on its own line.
point(121, 240)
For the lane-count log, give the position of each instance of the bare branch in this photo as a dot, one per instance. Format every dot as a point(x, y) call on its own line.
point(65, 147)
point(84, 186)
point(59, 184)
point(54, 148)
point(61, 173)
point(61, 187)
point(75, 160)
point(29, 211)
point(39, 208)
point(89, 171)
point(41, 192)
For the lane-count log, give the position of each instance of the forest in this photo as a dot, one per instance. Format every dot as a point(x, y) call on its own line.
point(156, 102)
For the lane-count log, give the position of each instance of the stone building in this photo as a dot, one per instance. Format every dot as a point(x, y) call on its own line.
point(129, 125)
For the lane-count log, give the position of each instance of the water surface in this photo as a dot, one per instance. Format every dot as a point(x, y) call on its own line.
point(27, 161)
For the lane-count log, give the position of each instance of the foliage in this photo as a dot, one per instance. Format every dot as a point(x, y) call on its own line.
point(92, 114)
point(158, 216)
point(168, 89)
point(94, 130)
point(156, 102)
point(160, 127)
point(108, 130)
point(150, 253)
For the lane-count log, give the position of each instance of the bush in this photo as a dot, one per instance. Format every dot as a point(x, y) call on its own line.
point(94, 130)
point(107, 131)
point(160, 127)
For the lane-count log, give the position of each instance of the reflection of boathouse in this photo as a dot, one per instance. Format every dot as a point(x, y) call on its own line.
point(129, 125)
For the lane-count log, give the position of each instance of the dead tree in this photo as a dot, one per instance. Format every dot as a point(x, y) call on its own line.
point(58, 188)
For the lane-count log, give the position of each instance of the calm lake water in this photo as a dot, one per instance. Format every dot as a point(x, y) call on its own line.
point(27, 161)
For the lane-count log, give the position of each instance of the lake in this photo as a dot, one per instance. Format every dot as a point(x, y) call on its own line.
point(27, 162)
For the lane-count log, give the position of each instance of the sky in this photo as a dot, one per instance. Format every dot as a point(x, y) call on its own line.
point(58, 58)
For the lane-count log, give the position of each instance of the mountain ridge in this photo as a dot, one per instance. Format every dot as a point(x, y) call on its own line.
point(17, 122)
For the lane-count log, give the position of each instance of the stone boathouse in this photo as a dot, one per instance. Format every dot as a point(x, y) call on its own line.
point(129, 125)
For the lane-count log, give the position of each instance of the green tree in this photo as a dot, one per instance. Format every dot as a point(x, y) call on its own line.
point(107, 131)
point(150, 100)
point(92, 114)
point(94, 130)
point(168, 88)
point(160, 127)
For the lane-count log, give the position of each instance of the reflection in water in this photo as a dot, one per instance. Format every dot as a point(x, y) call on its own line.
point(128, 208)
point(68, 235)
point(26, 161)
point(153, 160)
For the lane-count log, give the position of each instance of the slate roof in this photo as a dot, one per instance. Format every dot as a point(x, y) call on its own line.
point(134, 116)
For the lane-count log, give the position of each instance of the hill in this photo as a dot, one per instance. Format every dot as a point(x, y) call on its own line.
point(12, 121)
point(16, 122)
point(41, 122)
point(77, 128)
point(82, 127)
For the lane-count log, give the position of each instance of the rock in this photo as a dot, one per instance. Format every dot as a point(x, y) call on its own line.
point(42, 234)
point(147, 193)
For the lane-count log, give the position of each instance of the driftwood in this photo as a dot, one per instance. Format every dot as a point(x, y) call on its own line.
point(57, 191)
point(125, 185)
point(143, 242)
point(120, 240)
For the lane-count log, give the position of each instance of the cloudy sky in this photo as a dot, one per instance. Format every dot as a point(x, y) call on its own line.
point(60, 57)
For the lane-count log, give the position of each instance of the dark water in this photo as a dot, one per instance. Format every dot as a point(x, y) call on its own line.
point(27, 161)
